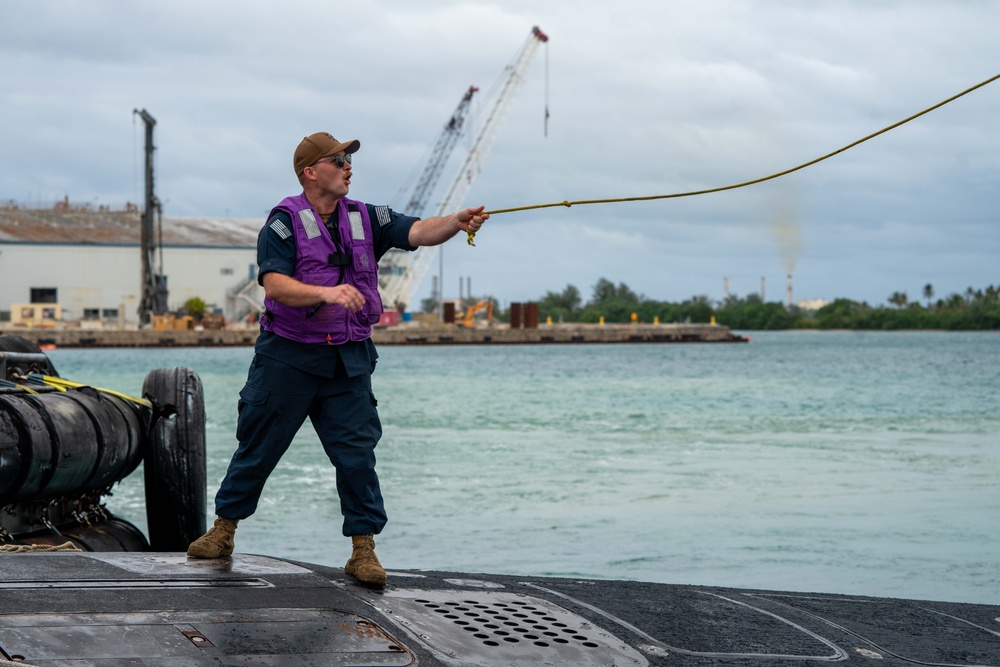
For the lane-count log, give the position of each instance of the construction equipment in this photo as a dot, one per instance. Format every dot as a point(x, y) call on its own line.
point(213, 320)
point(439, 155)
point(404, 275)
point(154, 283)
point(488, 132)
point(395, 274)
point(468, 317)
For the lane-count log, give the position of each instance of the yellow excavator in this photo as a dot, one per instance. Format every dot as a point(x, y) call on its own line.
point(468, 317)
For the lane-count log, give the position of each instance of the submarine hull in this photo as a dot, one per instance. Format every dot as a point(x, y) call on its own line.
point(163, 609)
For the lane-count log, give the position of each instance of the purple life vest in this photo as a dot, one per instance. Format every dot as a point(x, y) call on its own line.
point(320, 262)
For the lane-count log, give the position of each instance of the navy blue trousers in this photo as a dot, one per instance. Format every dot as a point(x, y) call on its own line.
point(273, 406)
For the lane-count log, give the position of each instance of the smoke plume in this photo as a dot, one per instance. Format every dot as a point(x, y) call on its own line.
point(785, 228)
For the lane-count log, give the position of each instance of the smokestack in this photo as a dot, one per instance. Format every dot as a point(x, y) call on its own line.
point(762, 299)
point(725, 289)
point(789, 291)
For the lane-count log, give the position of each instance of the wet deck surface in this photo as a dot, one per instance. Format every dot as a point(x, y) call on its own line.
point(117, 609)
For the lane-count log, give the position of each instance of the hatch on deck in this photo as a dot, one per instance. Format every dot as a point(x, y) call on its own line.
point(254, 638)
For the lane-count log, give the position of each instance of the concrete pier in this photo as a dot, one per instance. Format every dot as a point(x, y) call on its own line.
point(403, 334)
point(556, 333)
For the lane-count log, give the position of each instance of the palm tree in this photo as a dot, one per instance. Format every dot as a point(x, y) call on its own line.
point(898, 299)
point(992, 294)
point(928, 293)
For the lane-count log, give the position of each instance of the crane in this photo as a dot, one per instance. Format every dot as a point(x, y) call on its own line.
point(439, 155)
point(401, 287)
point(154, 283)
point(476, 157)
point(395, 274)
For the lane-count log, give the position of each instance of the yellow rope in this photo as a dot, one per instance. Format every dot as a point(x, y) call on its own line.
point(37, 548)
point(745, 183)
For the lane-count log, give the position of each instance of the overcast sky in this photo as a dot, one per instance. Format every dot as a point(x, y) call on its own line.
point(646, 97)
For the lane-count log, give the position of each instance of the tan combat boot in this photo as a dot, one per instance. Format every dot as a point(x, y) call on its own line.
point(363, 564)
point(217, 542)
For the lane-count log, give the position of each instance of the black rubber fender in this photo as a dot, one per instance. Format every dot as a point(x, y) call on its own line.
point(114, 534)
point(65, 443)
point(11, 475)
point(27, 460)
point(117, 451)
point(21, 345)
point(111, 534)
point(72, 438)
point(174, 462)
point(12, 343)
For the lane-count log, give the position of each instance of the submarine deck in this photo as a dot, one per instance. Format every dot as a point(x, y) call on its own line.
point(165, 610)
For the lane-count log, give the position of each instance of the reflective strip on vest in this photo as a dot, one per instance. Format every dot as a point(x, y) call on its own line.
point(309, 223)
point(357, 226)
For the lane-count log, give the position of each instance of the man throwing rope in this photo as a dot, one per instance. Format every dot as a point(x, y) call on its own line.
point(318, 254)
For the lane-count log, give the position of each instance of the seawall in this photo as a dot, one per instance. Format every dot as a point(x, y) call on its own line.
point(406, 334)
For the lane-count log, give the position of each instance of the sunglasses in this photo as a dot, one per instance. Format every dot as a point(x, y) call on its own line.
point(338, 160)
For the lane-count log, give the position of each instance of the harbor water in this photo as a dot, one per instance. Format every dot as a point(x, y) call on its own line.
point(840, 462)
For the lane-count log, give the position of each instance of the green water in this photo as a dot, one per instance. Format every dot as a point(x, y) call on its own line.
point(859, 463)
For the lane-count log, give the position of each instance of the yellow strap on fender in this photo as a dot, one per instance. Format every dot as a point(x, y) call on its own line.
point(8, 383)
point(63, 384)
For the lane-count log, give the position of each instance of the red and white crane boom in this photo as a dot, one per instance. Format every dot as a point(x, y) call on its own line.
point(402, 280)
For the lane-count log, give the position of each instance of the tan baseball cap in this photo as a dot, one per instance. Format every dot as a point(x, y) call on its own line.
point(317, 146)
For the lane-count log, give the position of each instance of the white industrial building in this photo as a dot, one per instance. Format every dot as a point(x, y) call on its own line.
point(85, 265)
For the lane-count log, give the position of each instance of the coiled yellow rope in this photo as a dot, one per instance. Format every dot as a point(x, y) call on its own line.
point(745, 183)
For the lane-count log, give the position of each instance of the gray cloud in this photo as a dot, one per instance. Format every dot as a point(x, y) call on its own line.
point(646, 98)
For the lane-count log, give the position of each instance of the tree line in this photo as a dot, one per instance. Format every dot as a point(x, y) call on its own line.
point(973, 310)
